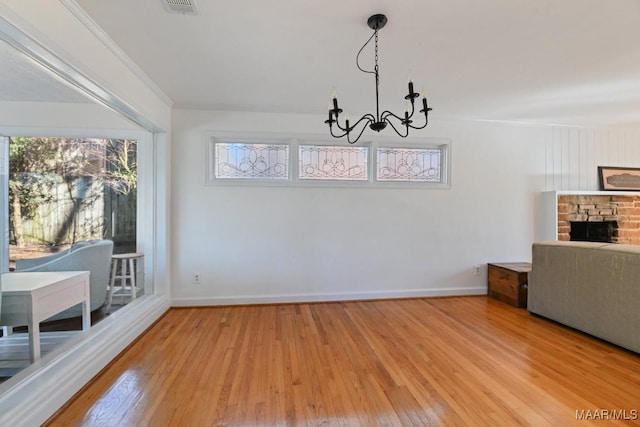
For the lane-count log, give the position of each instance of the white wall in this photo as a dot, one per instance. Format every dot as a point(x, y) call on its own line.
point(265, 244)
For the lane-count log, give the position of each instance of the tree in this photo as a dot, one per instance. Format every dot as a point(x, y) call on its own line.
point(30, 180)
point(121, 173)
point(39, 165)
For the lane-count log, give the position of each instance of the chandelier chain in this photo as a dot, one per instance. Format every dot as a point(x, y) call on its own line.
point(360, 51)
point(376, 50)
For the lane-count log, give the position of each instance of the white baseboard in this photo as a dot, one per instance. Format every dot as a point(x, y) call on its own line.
point(324, 297)
point(36, 393)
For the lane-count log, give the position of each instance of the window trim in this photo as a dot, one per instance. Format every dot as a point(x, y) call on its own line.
point(295, 141)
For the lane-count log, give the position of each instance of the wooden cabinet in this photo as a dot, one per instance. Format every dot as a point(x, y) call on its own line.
point(508, 282)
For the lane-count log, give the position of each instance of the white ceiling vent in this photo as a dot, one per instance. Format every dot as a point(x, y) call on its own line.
point(185, 7)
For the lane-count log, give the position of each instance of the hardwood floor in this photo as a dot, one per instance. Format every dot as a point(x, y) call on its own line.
point(424, 362)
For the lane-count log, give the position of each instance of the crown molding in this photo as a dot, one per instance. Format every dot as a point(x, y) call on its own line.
point(108, 42)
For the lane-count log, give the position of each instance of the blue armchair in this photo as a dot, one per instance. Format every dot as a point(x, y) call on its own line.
point(91, 255)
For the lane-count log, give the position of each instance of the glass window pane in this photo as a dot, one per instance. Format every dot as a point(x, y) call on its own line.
point(409, 164)
point(234, 160)
point(64, 190)
point(333, 163)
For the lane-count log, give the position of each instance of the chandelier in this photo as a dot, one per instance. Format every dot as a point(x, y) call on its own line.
point(379, 121)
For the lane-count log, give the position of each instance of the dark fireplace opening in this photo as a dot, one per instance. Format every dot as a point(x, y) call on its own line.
point(588, 231)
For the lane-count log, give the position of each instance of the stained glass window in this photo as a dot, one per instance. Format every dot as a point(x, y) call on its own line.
point(330, 162)
point(409, 164)
point(234, 160)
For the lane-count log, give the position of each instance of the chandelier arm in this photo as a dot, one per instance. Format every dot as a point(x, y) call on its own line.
point(359, 135)
point(426, 122)
point(426, 118)
point(387, 113)
point(395, 129)
point(413, 109)
point(384, 116)
point(368, 117)
point(340, 127)
point(343, 129)
point(334, 135)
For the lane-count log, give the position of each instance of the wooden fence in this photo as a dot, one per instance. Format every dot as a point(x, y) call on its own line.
point(83, 209)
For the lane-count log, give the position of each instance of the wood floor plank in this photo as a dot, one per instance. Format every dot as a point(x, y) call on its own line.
point(426, 362)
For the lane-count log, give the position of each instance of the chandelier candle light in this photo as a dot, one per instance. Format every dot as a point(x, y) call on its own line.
point(379, 121)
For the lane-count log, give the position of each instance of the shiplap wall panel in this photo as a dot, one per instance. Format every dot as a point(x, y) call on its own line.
point(587, 160)
point(574, 154)
point(548, 175)
point(591, 149)
point(565, 167)
point(555, 159)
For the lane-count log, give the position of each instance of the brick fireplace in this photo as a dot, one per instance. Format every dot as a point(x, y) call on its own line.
point(619, 214)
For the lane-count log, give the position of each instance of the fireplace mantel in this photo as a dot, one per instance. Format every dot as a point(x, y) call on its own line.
point(620, 206)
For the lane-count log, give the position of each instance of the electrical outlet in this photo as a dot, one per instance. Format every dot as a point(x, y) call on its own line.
point(477, 269)
point(196, 278)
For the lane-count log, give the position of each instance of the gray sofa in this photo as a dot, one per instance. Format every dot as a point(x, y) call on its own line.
point(592, 287)
point(89, 255)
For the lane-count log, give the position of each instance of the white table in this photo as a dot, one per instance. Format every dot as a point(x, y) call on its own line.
point(30, 298)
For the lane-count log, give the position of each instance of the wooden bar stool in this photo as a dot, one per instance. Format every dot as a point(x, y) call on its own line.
point(127, 277)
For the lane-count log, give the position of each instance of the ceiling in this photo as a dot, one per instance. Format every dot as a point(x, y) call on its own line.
point(573, 62)
point(23, 80)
